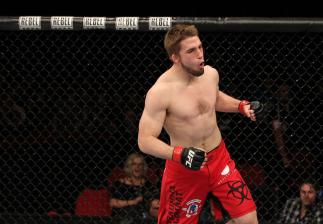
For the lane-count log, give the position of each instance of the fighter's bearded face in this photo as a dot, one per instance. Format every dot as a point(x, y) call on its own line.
point(191, 56)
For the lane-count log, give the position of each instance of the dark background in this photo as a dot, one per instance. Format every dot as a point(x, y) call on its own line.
point(31, 197)
point(165, 8)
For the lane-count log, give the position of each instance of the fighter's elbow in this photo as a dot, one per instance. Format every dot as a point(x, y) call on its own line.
point(141, 144)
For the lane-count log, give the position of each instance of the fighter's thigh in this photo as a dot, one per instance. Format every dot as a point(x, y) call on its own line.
point(182, 198)
point(235, 196)
point(249, 218)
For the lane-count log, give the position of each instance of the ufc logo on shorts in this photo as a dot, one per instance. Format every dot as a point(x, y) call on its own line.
point(189, 159)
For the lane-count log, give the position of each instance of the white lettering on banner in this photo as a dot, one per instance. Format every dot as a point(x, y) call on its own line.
point(61, 22)
point(127, 23)
point(160, 23)
point(29, 22)
point(94, 22)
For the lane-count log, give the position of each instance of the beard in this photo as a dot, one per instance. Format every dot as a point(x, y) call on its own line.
point(193, 72)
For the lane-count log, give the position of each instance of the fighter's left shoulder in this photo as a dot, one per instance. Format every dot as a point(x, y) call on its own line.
point(211, 72)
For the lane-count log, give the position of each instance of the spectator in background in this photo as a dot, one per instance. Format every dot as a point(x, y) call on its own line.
point(280, 123)
point(129, 194)
point(305, 209)
point(292, 142)
point(152, 208)
point(295, 155)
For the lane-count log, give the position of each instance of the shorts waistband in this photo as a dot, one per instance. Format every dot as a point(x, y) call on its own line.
point(219, 146)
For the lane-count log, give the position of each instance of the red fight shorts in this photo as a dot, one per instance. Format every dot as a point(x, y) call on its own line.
point(184, 191)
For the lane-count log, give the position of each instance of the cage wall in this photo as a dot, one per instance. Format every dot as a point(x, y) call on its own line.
point(71, 102)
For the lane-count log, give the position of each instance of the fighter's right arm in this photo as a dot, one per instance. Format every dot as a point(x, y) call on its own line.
point(151, 124)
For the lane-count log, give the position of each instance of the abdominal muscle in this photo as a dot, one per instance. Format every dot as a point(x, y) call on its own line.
point(201, 131)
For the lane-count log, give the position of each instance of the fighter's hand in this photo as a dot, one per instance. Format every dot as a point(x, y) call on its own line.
point(251, 109)
point(192, 158)
point(257, 107)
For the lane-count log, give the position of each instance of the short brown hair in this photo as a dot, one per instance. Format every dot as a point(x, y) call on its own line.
point(176, 34)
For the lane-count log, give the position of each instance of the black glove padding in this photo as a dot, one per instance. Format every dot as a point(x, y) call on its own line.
point(257, 107)
point(192, 158)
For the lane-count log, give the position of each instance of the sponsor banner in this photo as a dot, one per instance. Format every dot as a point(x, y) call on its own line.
point(94, 22)
point(160, 23)
point(61, 22)
point(127, 23)
point(30, 22)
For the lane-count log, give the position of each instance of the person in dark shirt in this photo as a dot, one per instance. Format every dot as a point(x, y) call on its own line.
point(129, 194)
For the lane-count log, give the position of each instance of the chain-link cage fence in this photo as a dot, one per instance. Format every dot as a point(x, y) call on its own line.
point(71, 102)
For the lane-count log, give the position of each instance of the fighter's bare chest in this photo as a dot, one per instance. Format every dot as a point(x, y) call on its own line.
point(191, 103)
